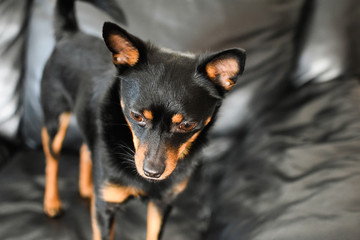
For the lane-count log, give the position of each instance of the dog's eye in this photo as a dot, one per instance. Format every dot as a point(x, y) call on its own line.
point(138, 118)
point(186, 126)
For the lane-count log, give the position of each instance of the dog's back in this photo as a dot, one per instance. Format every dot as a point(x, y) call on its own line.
point(74, 78)
point(78, 67)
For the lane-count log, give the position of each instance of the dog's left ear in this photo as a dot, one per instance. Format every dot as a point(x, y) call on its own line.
point(126, 48)
point(223, 68)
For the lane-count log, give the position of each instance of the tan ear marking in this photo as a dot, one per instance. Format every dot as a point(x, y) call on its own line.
point(125, 52)
point(221, 71)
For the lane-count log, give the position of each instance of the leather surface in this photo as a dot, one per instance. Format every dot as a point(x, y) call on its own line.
point(330, 46)
point(13, 26)
point(283, 160)
point(293, 176)
point(22, 217)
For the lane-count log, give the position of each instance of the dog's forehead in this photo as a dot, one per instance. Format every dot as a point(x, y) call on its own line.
point(168, 83)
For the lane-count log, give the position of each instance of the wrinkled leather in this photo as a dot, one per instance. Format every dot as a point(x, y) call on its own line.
point(329, 48)
point(283, 160)
point(13, 25)
point(293, 176)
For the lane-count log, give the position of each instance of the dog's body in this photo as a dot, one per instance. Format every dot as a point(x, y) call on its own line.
point(143, 121)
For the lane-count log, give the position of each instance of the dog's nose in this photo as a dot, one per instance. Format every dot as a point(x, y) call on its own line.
point(153, 170)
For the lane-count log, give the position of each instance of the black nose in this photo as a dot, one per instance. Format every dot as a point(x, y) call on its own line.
point(153, 170)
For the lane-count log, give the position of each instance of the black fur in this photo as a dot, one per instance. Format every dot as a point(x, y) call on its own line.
point(80, 77)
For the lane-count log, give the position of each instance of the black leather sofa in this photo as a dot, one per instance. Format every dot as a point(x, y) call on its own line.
point(283, 161)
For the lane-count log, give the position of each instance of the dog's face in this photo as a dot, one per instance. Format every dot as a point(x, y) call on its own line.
point(168, 98)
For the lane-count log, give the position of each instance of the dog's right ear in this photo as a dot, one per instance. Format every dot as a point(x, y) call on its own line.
point(126, 48)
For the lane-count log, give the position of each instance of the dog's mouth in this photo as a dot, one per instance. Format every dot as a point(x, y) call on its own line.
point(154, 176)
point(160, 166)
point(154, 171)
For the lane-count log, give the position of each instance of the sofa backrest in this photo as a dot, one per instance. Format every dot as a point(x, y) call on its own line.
point(267, 29)
point(330, 48)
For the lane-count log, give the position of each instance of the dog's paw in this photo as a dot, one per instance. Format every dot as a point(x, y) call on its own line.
point(53, 208)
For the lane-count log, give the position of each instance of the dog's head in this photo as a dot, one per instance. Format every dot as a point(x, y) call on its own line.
point(168, 98)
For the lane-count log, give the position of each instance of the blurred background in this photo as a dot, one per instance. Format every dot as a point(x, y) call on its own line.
point(283, 159)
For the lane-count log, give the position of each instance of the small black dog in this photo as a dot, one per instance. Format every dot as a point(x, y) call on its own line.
point(142, 121)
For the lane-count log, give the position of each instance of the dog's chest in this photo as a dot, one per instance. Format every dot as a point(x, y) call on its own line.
point(116, 193)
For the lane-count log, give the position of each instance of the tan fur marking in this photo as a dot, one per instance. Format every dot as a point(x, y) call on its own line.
point(136, 142)
point(208, 120)
point(174, 155)
point(139, 159)
point(85, 169)
point(140, 151)
point(148, 115)
point(171, 162)
point(126, 53)
point(177, 118)
point(135, 139)
point(94, 223)
point(52, 202)
point(185, 147)
point(64, 121)
point(211, 71)
point(177, 189)
point(154, 221)
point(118, 194)
point(222, 70)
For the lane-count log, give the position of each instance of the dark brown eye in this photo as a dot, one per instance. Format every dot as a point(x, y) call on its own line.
point(138, 118)
point(186, 126)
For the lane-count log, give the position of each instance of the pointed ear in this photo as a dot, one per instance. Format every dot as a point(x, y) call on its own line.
point(126, 48)
point(224, 68)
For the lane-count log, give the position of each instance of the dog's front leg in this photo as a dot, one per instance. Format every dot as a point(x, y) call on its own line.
point(85, 172)
point(158, 212)
point(103, 208)
point(156, 218)
point(102, 219)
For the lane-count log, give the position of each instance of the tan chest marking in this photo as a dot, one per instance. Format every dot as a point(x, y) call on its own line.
point(117, 194)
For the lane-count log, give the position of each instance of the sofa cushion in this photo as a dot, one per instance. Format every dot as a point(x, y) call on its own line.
point(295, 174)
